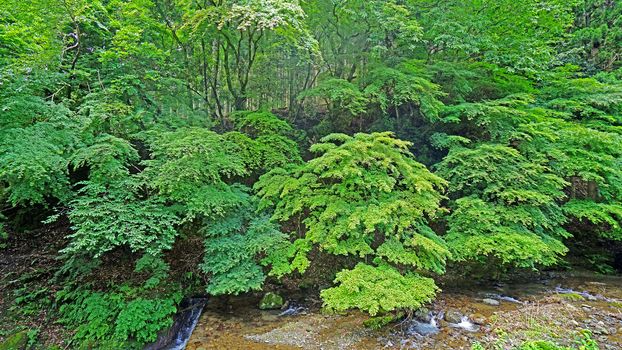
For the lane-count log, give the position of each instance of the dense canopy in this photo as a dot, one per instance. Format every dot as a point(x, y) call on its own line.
point(167, 148)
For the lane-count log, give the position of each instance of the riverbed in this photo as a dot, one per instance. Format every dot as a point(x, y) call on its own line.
point(553, 308)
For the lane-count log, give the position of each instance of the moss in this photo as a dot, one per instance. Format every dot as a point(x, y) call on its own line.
point(271, 301)
point(572, 296)
point(17, 341)
point(616, 304)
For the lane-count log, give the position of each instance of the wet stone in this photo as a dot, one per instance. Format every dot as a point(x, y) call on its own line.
point(491, 302)
point(453, 316)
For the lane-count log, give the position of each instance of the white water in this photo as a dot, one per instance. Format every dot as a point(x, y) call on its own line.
point(189, 323)
point(293, 309)
point(503, 298)
point(465, 324)
point(425, 328)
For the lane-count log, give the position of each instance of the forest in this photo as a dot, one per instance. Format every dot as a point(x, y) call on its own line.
point(360, 151)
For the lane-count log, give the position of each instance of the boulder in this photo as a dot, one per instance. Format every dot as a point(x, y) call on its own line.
point(423, 314)
point(453, 316)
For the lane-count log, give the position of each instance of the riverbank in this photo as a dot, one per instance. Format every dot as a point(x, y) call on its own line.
point(501, 315)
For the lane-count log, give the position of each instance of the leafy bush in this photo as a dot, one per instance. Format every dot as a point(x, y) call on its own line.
point(116, 318)
point(232, 244)
point(33, 162)
point(190, 166)
point(362, 196)
point(378, 289)
point(265, 141)
point(104, 219)
point(506, 207)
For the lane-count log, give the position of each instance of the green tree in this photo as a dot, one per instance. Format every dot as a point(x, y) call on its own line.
point(363, 196)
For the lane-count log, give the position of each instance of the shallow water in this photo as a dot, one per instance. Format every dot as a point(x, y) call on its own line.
point(547, 308)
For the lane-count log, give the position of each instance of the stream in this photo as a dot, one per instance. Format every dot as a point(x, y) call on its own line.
point(555, 308)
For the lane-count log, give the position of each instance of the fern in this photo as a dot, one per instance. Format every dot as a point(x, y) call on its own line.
point(117, 318)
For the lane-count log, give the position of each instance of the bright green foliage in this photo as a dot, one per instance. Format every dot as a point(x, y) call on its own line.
point(107, 158)
point(496, 119)
point(378, 289)
point(124, 315)
point(104, 219)
point(608, 216)
point(506, 207)
point(258, 123)
point(519, 37)
point(190, 166)
point(33, 162)
point(587, 151)
point(362, 196)
point(142, 319)
point(116, 318)
point(598, 34)
point(476, 81)
point(392, 88)
point(265, 141)
point(356, 187)
point(345, 100)
point(379, 99)
point(145, 123)
point(232, 243)
point(585, 100)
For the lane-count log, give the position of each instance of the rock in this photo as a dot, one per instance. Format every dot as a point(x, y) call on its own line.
point(453, 316)
point(17, 341)
point(478, 319)
point(574, 323)
point(271, 301)
point(423, 314)
point(491, 302)
point(590, 297)
point(601, 330)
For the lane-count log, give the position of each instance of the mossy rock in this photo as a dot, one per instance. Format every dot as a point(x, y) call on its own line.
point(271, 301)
point(17, 341)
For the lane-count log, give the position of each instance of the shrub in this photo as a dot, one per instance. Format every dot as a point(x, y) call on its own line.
point(363, 196)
